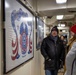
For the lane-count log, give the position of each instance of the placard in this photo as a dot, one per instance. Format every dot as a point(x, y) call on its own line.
point(39, 32)
point(19, 35)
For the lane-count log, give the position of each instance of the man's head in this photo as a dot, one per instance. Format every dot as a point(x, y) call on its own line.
point(54, 31)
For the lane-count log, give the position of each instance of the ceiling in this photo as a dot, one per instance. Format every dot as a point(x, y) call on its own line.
point(50, 9)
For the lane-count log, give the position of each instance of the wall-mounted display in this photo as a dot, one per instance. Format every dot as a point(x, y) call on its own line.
point(39, 32)
point(19, 34)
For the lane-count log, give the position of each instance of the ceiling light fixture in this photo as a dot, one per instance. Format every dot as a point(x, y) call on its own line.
point(61, 25)
point(61, 1)
point(63, 30)
point(59, 17)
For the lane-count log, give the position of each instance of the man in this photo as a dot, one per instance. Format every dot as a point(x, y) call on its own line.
point(52, 49)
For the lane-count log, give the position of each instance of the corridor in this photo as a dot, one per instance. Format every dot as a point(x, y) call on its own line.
point(23, 26)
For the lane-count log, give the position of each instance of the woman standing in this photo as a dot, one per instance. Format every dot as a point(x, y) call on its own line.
point(71, 55)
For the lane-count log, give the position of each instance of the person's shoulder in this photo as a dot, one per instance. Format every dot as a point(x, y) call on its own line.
point(74, 44)
point(45, 38)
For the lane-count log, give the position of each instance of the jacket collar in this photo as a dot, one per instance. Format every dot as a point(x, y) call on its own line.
point(53, 39)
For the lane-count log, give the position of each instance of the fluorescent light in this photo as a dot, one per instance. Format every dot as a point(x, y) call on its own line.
point(59, 17)
point(61, 1)
point(63, 30)
point(62, 25)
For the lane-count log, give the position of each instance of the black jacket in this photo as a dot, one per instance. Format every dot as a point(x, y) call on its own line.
point(53, 51)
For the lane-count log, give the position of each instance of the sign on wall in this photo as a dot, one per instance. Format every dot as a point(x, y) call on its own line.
point(18, 34)
point(40, 32)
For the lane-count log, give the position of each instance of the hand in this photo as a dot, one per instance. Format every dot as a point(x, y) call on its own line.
point(61, 64)
point(49, 59)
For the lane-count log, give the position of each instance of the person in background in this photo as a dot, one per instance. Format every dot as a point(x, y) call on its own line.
point(65, 44)
point(63, 39)
point(52, 49)
point(70, 61)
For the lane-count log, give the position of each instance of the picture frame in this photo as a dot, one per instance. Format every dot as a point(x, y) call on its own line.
point(18, 35)
point(39, 32)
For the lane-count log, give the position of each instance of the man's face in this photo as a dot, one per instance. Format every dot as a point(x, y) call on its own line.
point(54, 33)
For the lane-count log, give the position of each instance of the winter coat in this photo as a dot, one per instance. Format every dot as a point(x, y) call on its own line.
point(53, 51)
point(69, 60)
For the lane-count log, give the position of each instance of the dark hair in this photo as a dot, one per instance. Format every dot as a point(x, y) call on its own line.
point(55, 29)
